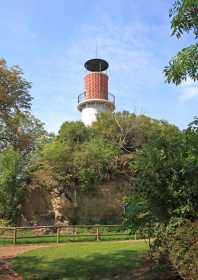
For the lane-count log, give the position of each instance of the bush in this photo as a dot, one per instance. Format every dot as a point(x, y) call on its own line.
point(183, 250)
point(4, 223)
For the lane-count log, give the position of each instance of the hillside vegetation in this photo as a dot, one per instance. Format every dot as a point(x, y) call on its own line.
point(84, 172)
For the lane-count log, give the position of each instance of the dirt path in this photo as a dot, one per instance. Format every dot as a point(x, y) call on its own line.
point(9, 252)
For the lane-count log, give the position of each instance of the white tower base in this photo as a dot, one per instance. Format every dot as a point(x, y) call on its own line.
point(91, 108)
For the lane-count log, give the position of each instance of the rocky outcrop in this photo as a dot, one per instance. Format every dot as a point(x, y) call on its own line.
point(103, 205)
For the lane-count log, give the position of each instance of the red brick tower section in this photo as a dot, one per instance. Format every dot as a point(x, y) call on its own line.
point(96, 86)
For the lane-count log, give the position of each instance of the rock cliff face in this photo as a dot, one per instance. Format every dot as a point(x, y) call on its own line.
point(104, 206)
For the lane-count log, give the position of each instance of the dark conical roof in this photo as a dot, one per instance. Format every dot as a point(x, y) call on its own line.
point(96, 65)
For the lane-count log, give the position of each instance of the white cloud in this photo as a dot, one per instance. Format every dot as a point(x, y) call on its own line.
point(188, 93)
point(189, 90)
point(128, 48)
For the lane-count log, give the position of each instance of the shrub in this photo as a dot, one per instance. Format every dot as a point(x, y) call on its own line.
point(4, 223)
point(183, 250)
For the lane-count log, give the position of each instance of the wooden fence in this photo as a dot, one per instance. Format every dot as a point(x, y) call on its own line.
point(62, 233)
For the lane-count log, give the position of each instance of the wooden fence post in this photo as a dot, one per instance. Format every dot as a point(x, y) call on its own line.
point(97, 233)
point(15, 235)
point(57, 235)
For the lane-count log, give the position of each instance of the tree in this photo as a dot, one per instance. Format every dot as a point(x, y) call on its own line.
point(95, 162)
point(13, 179)
point(166, 175)
point(21, 135)
point(183, 249)
point(74, 133)
point(14, 92)
point(15, 106)
point(184, 65)
point(138, 218)
point(87, 156)
point(128, 131)
point(19, 129)
point(75, 162)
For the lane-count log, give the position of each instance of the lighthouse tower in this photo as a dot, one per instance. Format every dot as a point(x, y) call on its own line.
point(96, 97)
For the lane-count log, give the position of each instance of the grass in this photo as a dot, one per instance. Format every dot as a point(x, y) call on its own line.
point(53, 239)
point(82, 261)
point(28, 236)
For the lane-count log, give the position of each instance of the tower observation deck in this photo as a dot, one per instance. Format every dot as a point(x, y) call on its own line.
point(96, 97)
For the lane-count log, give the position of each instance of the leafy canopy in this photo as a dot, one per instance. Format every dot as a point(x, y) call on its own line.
point(166, 175)
point(21, 135)
point(18, 128)
point(12, 185)
point(184, 65)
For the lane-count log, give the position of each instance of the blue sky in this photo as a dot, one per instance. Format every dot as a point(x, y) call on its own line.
point(51, 40)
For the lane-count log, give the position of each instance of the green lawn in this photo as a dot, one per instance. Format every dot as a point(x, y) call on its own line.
point(28, 236)
point(82, 261)
point(62, 239)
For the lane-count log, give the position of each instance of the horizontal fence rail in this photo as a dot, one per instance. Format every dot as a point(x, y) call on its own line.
point(42, 234)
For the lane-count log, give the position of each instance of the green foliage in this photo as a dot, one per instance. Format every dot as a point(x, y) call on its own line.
point(127, 131)
point(4, 223)
point(14, 92)
point(80, 165)
point(184, 16)
point(12, 185)
point(166, 175)
point(73, 133)
point(94, 161)
point(18, 128)
point(165, 195)
point(21, 135)
point(184, 65)
point(183, 249)
point(138, 217)
point(81, 158)
point(117, 129)
point(15, 102)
